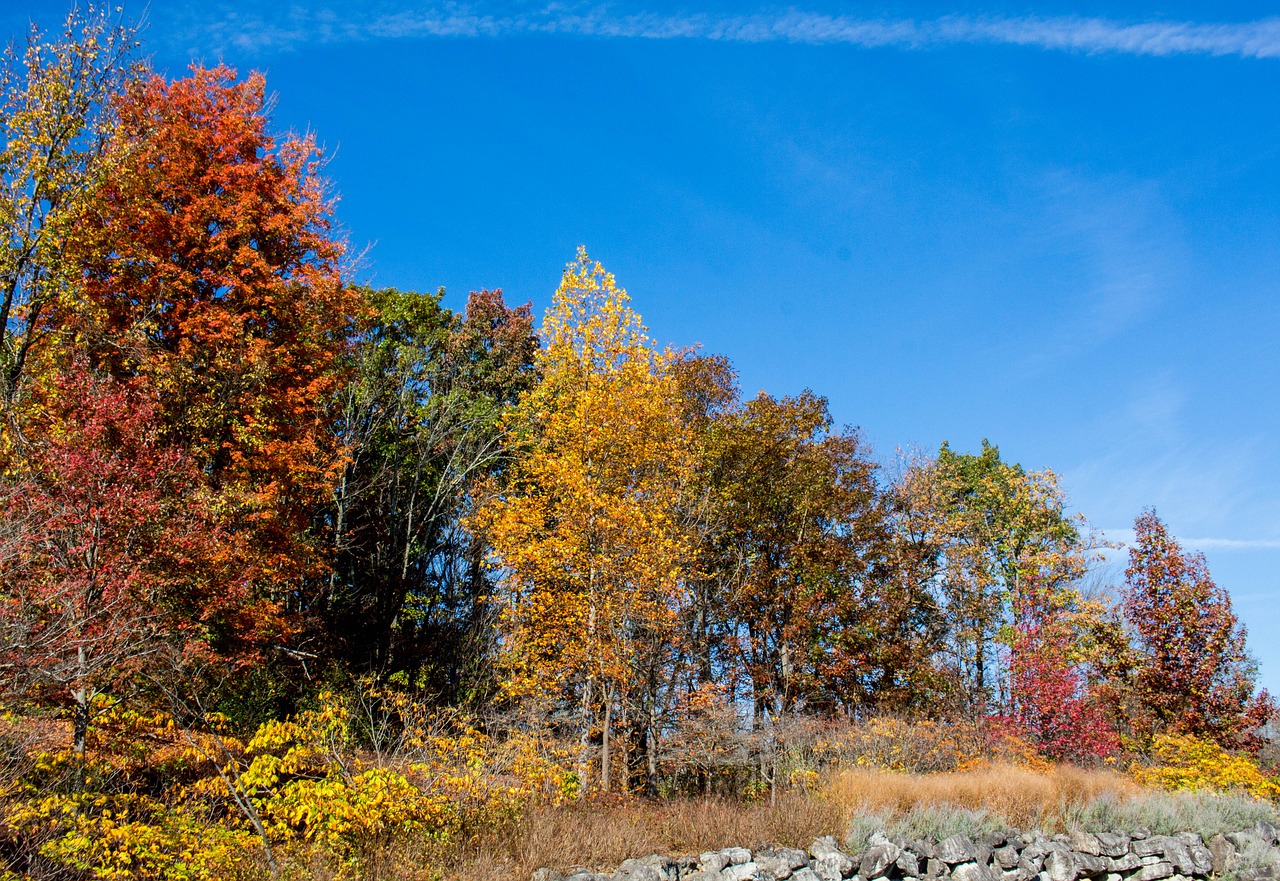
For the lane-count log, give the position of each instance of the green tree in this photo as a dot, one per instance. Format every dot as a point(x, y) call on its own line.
point(421, 423)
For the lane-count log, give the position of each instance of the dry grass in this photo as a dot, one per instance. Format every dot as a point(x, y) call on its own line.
point(1025, 798)
point(602, 834)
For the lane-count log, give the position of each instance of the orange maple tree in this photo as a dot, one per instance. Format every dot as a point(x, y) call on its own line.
point(210, 270)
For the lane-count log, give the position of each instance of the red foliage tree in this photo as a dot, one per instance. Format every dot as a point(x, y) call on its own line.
point(1192, 672)
point(211, 271)
point(107, 557)
point(1050, 698)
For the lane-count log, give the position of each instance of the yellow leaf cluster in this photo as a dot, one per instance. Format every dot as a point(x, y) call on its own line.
point(1184, 762)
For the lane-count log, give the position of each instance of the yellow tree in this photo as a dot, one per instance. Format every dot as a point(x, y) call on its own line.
point(585, 526)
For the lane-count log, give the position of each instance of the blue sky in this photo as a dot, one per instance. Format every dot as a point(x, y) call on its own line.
point(1055, 227)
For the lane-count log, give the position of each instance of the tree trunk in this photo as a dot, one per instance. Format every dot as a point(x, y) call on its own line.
point(604, 743)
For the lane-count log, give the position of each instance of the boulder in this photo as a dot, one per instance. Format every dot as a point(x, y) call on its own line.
point(1153, 872)
point(956, 849)
point(908, 864)
point(1061, 865)
point(1083, 842)
point(1091, 866)
point(1126, 863)
point(971, 872)
point(1112, 844)
point(1006, 857)
point(748, 871)
point(1224, 855)
point(774, 863)
point(878, 860)
point(712, 861)
point(737, 855)
point(639, 872)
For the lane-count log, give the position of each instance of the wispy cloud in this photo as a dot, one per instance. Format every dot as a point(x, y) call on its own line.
point(1124, 536)
point(292, 27)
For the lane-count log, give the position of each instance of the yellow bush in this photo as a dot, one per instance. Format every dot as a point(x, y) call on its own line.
point(1182, 762)
point(122, 836)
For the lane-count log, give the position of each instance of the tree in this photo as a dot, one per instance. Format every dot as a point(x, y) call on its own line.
point(56, 109)
point(1050, 698)
point(421, 423)
point(804, 530)
point(1193, 674)
point(209, 272)
point(999, 529)
point(584, 524)
point(109, 550)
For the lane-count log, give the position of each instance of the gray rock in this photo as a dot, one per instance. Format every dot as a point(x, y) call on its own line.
point(589, 876)
point(1145, 847)
point(796, 858)
point(956, 849)
point(923, 849)
point(1016, 874)
point(935, 868)
point(547, 875)
point(1151, 859)
point(1112, 844)
point(712, 861)
point(1126, 863)
point(1268, 832)
point(982, 852)
point(908, 864)
point(1201, 859)
point(1006, 857)
point(1062, 865)
point(877, 861)
point(747, 871)
point(877, 838)
point(1083, 842)
point(1092, 866)
point(1112, 876)
point(1180, 855)
point(639, 872)
point(1037, 849)
point(822, 845)
point(774, 863)
point(737, 855)
point(832, 865)
point(1140, 833)
point(1153, 872)
point(1030, 867)
point(971, 871)
point(701, 876)
point(1224, 855)
point(805, 874)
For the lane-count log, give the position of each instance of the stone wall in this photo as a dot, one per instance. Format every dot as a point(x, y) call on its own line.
point(1137, 855)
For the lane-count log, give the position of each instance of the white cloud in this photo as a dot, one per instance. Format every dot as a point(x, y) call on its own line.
point(1125, 536)
point(293, 27)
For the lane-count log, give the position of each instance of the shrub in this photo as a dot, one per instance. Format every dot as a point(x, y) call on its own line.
point(1181, 762)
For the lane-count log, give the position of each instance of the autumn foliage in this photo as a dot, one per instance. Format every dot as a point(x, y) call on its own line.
point(294, 571)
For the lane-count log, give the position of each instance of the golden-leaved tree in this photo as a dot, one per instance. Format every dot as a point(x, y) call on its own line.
point(585, 526)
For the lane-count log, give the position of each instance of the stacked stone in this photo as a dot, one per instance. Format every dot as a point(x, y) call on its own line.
point(1101, 856)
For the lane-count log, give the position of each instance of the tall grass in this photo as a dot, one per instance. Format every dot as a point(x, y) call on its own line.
point(1008, 795)
point(603, 834)
point(1002, 797)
